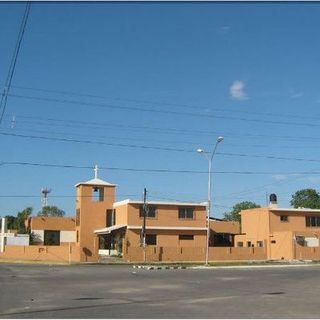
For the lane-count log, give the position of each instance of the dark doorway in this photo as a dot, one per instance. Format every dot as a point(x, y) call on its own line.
point(51, 238)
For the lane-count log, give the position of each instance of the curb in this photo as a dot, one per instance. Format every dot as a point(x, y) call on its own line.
point(255, 266)
point(158, 267)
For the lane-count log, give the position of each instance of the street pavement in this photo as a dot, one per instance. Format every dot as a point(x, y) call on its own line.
point(119, 291)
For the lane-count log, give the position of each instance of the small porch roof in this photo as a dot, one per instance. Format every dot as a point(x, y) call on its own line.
point(308, 234)
point(109, 229)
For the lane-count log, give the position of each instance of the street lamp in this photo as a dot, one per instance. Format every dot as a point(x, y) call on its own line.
point(209, 158)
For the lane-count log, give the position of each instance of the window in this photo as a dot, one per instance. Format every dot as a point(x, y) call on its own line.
point(312, 221)
point(273, 241)
point(260, 244)
point(151, 212)
point(109, 218)
point(185, 213)
point(248, 243)
point(284, 218)
point(151, 239)
point(97, 194)
point(51, 238)
point(77, 217)
point(185, 236)
point(240, 244)
point(77, 235)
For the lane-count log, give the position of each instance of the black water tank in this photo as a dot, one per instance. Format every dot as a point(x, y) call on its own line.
point(273, 197)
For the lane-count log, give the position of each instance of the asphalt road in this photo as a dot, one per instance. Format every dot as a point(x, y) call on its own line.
point(102, 291)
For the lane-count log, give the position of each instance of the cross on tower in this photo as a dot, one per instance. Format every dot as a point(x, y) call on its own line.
point(96, 172)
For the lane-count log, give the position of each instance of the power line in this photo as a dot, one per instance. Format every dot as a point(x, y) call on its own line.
point(69, 166)
point(96, 142)
point(92, 125)
point(192, 114)
point(154, 147)
point(181, 105)
point(6, 90)
point(60, 196)
point(72, 134)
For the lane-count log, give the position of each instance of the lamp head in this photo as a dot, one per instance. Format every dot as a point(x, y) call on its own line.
point(200, 151)
point(220, 138)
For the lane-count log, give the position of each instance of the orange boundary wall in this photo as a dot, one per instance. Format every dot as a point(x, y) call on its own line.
point(42, 253)
point(168, 254)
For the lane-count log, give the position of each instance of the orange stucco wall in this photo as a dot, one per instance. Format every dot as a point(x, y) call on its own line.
point(231, 227)
point(296, 221)
point(307, 253)
point(264, 224)
point(64, 254)
point(92, 216)
point(121, 213)
point(281, 246)
point(169, 238)
point(192, 254)
point(166, 215)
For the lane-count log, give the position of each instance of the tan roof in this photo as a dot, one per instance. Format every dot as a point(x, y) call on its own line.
point(53, 223)
point(96, 182)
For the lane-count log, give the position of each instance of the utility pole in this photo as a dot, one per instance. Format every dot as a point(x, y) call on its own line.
point(143, 230)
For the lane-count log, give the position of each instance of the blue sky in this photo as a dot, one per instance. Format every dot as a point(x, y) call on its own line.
point(136, 79)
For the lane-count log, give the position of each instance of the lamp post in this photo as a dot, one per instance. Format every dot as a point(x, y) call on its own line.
point(209, 158)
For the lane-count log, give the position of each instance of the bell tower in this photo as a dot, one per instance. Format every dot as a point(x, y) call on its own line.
point(93, 199)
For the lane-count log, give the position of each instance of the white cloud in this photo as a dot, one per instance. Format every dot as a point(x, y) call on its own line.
point(296, 94)
point(223, 29)
point(280, 177)
point(237, 90)
point(314, 179)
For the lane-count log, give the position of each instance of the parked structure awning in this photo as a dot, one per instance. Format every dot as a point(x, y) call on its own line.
point(108, 230)
point(309, 234)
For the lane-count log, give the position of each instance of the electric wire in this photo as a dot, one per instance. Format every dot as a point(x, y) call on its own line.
point(146, 147)
point(181, 105)
point(6, 90)
point(72, 123)
point(166, 112)
point(72, 166)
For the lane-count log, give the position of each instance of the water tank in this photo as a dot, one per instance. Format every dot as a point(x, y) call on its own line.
point(273, 198)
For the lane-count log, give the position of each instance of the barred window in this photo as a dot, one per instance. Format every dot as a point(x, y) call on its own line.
point(312, 221)
point(185, 236)
point(185, 213)
point(150, 212)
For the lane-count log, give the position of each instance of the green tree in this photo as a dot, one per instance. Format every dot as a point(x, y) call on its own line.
point(51, 211)
point(234, 215)
point(22, 216)
point(11, 222)
point(306, 198)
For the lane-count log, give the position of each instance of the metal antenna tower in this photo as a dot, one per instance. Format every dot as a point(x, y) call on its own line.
point(45, 191)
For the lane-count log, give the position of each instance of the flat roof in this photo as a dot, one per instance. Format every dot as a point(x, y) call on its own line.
point(169, 228)
point(120, 226)
point(297, 210)
point(172, 203)
point(108, 230)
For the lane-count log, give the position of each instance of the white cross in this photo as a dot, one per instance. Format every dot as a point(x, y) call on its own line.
point(2, 234)
point(95, 171)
